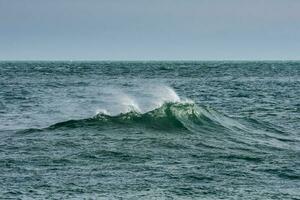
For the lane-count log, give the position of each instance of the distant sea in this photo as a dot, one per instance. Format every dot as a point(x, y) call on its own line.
point(150, 130)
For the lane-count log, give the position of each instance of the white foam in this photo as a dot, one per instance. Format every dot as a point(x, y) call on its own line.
point(102, 111)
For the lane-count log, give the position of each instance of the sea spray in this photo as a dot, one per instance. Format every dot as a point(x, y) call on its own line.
point(147, 98)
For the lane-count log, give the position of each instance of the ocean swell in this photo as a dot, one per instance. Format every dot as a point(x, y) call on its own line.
point(217, 129)
point(171, 115)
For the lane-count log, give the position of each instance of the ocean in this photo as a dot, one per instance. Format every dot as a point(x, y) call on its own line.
point(150, 130)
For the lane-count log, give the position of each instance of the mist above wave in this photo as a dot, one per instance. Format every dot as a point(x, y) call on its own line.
point(142, 100)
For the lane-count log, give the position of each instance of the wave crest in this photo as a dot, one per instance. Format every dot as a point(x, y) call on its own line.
point(178, 115)
point(217, 129)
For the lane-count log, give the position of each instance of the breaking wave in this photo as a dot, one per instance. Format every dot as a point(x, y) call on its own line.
point(218, 130)
point(171, 115)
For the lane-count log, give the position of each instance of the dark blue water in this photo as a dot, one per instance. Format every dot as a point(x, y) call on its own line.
point(150, 130)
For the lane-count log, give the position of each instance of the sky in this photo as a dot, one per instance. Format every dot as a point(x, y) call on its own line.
point(150, 30)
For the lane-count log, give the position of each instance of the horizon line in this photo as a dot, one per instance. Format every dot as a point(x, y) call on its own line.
point(150, 60)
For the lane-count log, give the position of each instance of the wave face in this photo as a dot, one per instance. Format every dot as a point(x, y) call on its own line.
point(180, 115)
point(124, 133)
point(169, 115)
point(184, 117)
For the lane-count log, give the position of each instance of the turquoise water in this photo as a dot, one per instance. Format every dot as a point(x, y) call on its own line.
point(150, 130)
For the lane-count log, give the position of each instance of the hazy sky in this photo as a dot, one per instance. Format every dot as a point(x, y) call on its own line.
point(149, 29)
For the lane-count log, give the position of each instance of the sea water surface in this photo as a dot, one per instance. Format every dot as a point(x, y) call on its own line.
point(150, 130)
